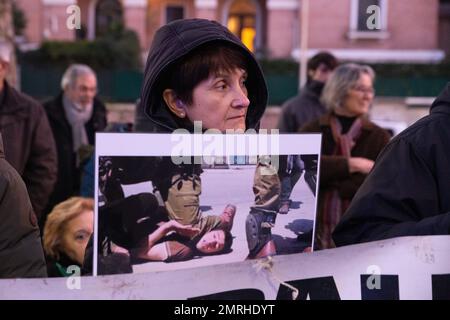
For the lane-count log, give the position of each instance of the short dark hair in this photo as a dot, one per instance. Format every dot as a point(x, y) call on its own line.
point(228, 242)
point(322, 57)
point(214, 57)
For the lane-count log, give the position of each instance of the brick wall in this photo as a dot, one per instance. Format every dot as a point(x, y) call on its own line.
point(55, 18)
point(210, 14)
point(135, 19)
point(33, 11)
point(412, 24)
point(280, 32)
point(328, 23)
point(156, 14)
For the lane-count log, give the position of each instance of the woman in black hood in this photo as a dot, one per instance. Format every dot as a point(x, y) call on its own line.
point(186, 54)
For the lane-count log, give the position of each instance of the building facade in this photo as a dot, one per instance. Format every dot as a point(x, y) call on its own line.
point(362, 30)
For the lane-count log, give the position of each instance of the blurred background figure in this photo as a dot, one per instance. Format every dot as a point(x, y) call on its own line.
point(295, 113)
point(21, 253)
point(410, 199)
point(67, 231)
point(350, 144)
point(28, 139)
point(87, 188)
point(75, 115)
point(306, 106)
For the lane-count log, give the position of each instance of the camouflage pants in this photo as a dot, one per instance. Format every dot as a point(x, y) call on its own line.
point(183, 204)
point(266, 186)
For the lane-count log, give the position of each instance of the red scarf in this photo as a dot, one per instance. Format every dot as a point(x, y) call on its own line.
point(334, 207)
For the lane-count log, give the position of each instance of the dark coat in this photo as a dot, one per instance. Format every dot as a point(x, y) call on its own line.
point(303, 108)
point(29, 144)
point(21, 253)
point(68, 182)
point(334, 170)
point(408, 191)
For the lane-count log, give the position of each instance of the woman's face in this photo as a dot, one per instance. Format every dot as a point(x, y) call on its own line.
point(359, 98)
point(76, 236)
point(220, 102)
point(212, 242)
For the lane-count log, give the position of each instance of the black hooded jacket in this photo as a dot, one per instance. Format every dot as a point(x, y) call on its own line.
point(21, 253)
point(408, 191)
point(171, 43)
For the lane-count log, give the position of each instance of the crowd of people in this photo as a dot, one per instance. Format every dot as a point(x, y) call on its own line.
point(369, 188)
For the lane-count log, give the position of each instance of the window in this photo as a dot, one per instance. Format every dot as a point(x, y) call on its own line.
point(174, 13)
point(363, 15)
point(109, 17)
point(242, 22)
point(243, 26)
point(368, 19)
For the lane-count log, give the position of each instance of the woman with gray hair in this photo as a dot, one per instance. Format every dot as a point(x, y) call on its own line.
point(350, 144)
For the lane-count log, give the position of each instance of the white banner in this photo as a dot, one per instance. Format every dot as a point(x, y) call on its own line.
point(228, 163)
point(402, 268)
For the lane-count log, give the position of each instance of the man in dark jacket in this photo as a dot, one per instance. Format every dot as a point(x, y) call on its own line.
point(75, 115)
point(295, 113)
point(28, 139)
point(21, 253)
point(407, 192)
point(306, 106)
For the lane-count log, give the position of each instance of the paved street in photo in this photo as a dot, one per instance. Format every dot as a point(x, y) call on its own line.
point(234, 186)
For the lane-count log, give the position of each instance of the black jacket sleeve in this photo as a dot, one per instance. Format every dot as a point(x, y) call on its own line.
point(41, 170)
point(287, 119)
point(399, 198)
